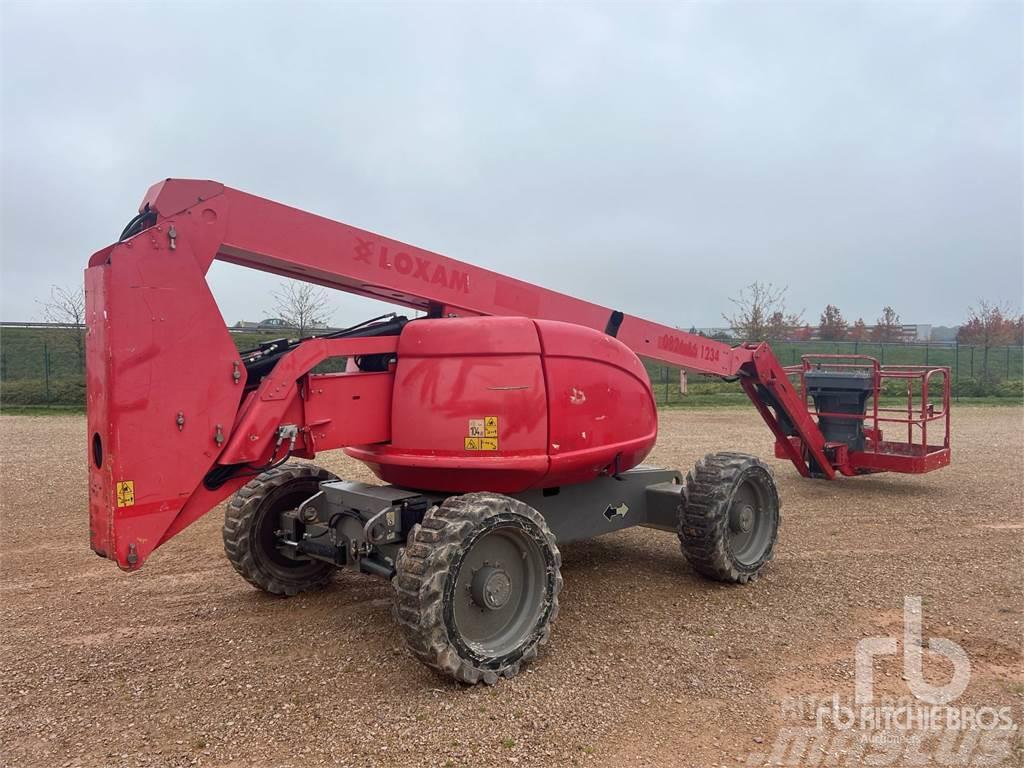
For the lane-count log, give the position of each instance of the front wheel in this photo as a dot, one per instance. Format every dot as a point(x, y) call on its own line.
point(250, 524)
point(477, 587)
point(729, 517)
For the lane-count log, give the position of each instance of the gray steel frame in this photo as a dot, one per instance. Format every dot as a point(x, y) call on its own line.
point(363, 527)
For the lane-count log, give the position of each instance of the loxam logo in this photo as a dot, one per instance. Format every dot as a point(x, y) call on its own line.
point(403, 263)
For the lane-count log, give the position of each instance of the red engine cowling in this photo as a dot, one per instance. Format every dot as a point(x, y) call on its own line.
point(519, 403)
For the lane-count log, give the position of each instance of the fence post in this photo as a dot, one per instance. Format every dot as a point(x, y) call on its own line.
point(46, 371)
point(972, 362)
point(956, 369)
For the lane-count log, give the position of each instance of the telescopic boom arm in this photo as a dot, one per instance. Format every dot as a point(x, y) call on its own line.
point(243, 229)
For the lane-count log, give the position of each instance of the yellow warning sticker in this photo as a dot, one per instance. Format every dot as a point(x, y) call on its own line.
point(483, 434)
point(481, 443)
point(126, 493)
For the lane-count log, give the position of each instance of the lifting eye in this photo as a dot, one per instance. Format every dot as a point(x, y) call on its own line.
point(97, 450)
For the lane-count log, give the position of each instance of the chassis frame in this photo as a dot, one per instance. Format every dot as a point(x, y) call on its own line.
point(363, 527)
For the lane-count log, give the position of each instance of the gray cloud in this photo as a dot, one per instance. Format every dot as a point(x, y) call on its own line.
point(653, 158)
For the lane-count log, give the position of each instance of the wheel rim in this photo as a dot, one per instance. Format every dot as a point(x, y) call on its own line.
point(267, 546)
point(500, 591)
point(750, 524)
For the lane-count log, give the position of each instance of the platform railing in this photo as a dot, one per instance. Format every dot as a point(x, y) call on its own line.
point(920, 411)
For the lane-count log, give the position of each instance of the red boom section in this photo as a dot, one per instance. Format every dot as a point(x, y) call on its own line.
point(217, 222)
point(167, 397)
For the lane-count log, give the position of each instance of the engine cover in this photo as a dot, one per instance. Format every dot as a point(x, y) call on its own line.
point(508, 404)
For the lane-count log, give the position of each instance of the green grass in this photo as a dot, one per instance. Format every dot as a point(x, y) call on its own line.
point(730, 402)
point(702, 401)
point(42, 410)
point(1005, 402)
point(739, 400)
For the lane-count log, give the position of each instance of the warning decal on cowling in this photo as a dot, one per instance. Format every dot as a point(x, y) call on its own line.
point(482, 434)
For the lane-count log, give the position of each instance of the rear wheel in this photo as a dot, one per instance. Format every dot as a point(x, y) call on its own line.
point(477, 587)
point(729, 517)
point(251, 522)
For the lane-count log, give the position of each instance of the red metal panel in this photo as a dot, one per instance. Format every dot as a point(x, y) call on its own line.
point(455, 473)
point(347, 409)
point(453, 376)
point(768, 373)
point(157, 347)
point(276, 401)
point(585, 404)
point(172, 196)
point(268, 236)
point(602, 412)
point(102, 498)
point(460, 337)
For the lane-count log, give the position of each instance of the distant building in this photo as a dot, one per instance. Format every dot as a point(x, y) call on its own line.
point(919, 333)
point(908, 334)
point(273, 324)
point(916, 333)
point(944, 332)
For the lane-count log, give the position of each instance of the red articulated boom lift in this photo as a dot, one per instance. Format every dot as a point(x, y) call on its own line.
point(507, 421)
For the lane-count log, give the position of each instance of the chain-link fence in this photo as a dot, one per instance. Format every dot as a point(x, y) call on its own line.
point(44, 365)
point(976, 371)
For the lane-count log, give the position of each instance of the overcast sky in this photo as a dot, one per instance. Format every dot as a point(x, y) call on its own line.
point(651, 158)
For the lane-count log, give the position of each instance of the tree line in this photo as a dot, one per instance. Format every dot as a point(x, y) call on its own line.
point(760, 313)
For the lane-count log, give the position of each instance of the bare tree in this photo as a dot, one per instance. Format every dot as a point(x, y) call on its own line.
point(303, 306)
point(761, 314)
point(66, 306)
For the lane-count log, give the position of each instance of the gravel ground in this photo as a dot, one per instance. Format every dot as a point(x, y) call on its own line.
point(185, 664)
